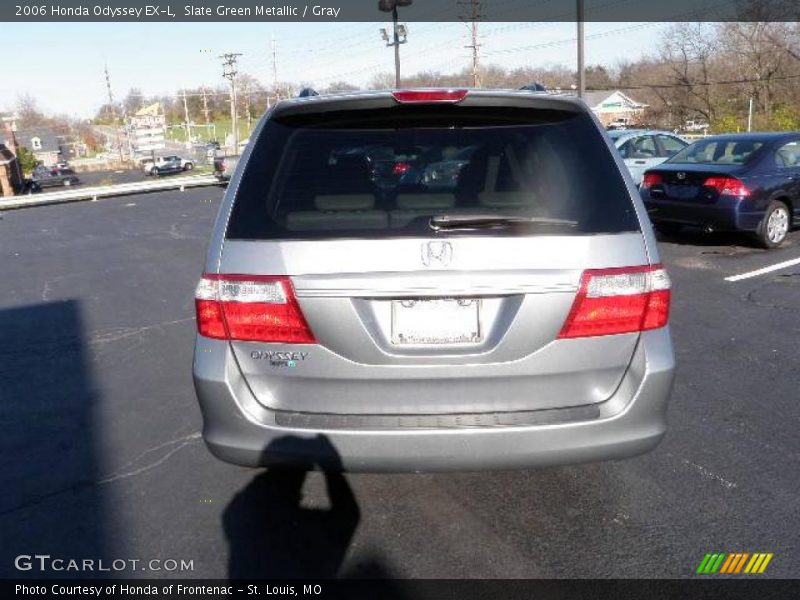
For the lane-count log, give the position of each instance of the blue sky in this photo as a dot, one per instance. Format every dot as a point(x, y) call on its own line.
point(61, 64)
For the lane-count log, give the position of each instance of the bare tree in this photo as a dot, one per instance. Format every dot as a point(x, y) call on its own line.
point(689, 51)
point(28, 111)
point(381, 81)
point(133, 101)
point(341, 86)
point(752, 52)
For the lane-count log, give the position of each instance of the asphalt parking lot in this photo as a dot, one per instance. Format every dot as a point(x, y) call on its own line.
point(99, 429)
point(110, 177)
point(116, 176)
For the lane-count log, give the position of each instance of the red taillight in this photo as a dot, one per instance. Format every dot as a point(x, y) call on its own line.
point(253, 308)
point(400, 168)
point(625, 300)
point(429, 96)
point(651, 179)
point(730, 186)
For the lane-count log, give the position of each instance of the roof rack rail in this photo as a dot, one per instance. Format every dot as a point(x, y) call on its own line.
point(307, 92)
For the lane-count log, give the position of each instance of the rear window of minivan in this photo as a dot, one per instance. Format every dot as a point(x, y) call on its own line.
point(387, 172)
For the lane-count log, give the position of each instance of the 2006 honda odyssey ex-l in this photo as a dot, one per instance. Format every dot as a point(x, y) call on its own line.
point(432, 280)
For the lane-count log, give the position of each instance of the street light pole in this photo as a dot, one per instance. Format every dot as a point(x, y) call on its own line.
point(396, 48)
point(399, 32)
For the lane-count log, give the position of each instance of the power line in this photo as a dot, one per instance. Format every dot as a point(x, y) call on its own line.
point(666, 86)
point(571, 40)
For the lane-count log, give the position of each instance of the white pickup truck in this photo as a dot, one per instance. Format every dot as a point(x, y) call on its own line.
point(164, 161)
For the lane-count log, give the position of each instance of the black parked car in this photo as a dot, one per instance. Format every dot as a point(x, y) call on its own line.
point(737, 182)
point(53, 177)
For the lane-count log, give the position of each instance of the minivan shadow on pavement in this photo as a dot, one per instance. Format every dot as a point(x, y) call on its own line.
point(270, 533)
point(50, 440)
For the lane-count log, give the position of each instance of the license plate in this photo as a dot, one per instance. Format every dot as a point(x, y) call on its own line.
point(439, 321)
point(684, 192)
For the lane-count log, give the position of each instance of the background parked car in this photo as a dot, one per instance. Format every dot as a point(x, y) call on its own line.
point(643, 149)
point(223, 167)
point(445, 173)
point(166, 164)
point(740, 182)
point(211, 148)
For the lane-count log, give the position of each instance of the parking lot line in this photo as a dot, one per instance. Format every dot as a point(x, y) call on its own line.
point(769, 269)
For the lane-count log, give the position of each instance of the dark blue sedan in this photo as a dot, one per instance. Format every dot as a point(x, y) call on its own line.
point(738, 182)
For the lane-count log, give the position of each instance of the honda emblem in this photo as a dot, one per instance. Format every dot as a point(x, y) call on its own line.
point(437, 253)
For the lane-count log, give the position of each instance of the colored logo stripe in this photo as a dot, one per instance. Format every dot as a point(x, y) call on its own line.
point(758, 563)
point(711, 563)
point(734, 563)
point(720, 562)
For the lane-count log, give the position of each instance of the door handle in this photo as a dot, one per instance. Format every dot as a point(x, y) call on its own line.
point(640, 162)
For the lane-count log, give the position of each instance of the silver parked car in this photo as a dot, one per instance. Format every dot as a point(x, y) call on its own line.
point(518, 318)
point(643, 149)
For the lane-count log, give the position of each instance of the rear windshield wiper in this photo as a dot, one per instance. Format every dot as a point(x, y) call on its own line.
point(489, 221)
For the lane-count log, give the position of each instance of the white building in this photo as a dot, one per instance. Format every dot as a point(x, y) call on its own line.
point(147, 131)
point(615, 108)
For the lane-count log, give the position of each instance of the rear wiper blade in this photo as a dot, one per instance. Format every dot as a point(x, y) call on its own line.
point(490, 221)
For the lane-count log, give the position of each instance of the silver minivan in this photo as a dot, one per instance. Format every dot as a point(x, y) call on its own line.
point(352, 316)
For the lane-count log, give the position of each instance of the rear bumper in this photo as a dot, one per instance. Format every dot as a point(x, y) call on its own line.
point(239, 430)
point(727, 214)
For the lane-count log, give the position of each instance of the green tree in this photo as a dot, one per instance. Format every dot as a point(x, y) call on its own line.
point(26, 158)
point(786, 118)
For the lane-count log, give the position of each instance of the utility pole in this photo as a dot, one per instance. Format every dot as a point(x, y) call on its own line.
point(205, 110)
point(113, 112)
point(399, 32)
point(473, 18)
point(186, 117)
point(581, 69)
point(275, 66)
point(205, 106)
point(229, 72)
point(247, 105)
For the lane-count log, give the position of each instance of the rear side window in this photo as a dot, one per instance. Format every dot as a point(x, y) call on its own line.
point(387, 172)
point(788, 155)
point(718, 152)
point(670, 145)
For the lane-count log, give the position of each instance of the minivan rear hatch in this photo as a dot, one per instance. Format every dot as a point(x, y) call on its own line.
point(420, 298)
